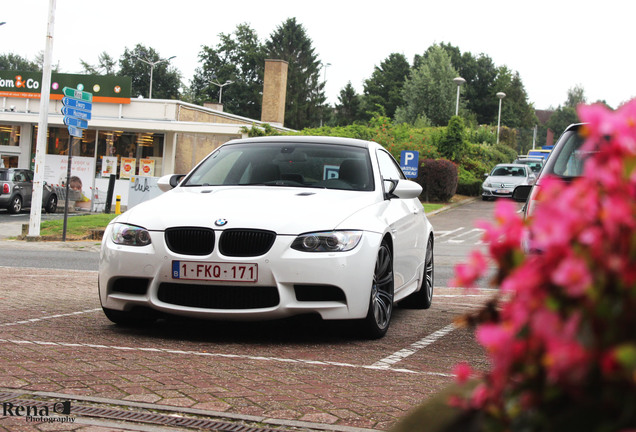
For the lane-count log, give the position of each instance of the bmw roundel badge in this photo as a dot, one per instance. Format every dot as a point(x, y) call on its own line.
point(220, 222)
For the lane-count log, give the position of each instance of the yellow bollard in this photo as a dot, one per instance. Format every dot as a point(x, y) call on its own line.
point(118, 205)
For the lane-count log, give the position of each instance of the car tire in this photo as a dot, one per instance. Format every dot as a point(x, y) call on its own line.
point(51, 204)
point(378, 318)
point(423, 298)
point(16, 205)
point(133, 318)
point(485, 198)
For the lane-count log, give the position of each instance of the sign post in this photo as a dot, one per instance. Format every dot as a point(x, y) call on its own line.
point(77, 111)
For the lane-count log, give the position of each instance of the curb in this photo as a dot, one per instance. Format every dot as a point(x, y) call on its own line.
point(453, 205)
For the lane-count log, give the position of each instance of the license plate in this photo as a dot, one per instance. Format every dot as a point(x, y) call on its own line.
point(214, 271)
point(502, 191)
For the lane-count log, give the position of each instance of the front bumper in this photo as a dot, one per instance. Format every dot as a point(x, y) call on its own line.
point(334, 285)
point(497, 192)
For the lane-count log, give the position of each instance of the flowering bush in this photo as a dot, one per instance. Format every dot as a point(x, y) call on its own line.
point(562, 339)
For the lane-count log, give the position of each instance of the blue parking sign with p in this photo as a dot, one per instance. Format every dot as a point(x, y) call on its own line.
point(409, 161)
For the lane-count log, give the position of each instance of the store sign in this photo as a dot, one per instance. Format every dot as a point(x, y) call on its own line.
point(105, 89)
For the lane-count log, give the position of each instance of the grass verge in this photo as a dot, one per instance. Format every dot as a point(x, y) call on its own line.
point(77, 227)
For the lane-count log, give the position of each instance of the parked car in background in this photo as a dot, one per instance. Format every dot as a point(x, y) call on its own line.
point(503, 179)
point(535, 164)
point(539, 153)
point(273, 227)
point(16, 191)
point(565, 163)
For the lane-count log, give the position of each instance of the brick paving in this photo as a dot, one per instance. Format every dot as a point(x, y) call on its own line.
point(54, 338)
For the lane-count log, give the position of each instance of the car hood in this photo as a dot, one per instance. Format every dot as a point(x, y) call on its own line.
point(281, 209)
point(507, 180)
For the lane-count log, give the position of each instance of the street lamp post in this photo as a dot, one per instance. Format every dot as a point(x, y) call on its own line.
point(325, 66)
point(500, 95)
point(152, 68)
point(216, 83)
point(459, 81)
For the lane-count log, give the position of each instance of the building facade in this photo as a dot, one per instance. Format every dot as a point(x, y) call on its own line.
point(127, 138)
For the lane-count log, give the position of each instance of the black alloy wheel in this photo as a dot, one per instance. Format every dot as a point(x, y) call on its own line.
point(378, 318)
point(16, 205)
point(51, 204)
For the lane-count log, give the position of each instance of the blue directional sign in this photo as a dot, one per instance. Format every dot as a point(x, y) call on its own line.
point(76, 132)
point(76, 103)
point(77, 110)
point(409, 161)
point(77, 113)
point(75, 122)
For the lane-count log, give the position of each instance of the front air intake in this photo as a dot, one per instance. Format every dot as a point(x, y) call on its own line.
point(246, 242)
point(190, 240)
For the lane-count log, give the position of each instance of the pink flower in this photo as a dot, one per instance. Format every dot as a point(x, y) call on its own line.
point(572, 274)
point(462, 372)
point(495, 338)
point(467, 274)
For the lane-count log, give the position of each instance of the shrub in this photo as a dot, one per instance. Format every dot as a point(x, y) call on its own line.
point(561, 335)
point(453, 144)
point(467, 183)
point(438, 179)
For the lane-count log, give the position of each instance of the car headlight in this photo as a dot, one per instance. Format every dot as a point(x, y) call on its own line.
point(130, 235)
point(327, 241)
point(487, 185)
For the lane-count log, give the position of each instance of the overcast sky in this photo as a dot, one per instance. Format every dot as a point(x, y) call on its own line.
point(554, 45)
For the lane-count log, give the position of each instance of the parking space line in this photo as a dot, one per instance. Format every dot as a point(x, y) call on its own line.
point(223, 355)
point(33, 320)
point(398, 356)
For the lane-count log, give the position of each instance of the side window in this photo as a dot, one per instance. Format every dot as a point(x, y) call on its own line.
point(389, 169)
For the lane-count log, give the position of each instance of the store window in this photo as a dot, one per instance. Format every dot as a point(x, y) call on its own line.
point(57, 142)
point(9, 135)
point(128, 154)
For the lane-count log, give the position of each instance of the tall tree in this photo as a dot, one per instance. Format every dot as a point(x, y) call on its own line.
point(305, 89)
point(516, 111)
point(576, 96)
point(240, 58)
point(166, 80)
point(430, 90)
point(385, 86)
point(348, 110)
point(15, 62)
point(106, 65)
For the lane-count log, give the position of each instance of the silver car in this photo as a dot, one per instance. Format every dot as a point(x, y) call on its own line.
point(16, 190)
point(504, 178)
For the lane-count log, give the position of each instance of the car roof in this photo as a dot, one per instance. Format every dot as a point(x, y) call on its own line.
point(301, 139)
point(513, 165)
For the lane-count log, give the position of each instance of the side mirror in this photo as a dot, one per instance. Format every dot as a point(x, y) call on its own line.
point(169, 181)
point(521, 193)
point(485, 174)
point(403, 189)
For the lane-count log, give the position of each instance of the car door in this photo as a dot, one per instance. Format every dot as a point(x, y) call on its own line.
point(404, 217)
point(23, 186)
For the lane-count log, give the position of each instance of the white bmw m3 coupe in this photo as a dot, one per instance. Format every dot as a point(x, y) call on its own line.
point(273, 227)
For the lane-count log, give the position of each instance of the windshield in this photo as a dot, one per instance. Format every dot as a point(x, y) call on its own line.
point(286, 164)
point(570, 159)
point(508, 171)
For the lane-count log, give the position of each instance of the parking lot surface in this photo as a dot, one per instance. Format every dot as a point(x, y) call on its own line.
point(56, 345)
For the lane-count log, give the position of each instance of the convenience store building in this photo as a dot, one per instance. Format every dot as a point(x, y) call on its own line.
point(130, 138)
